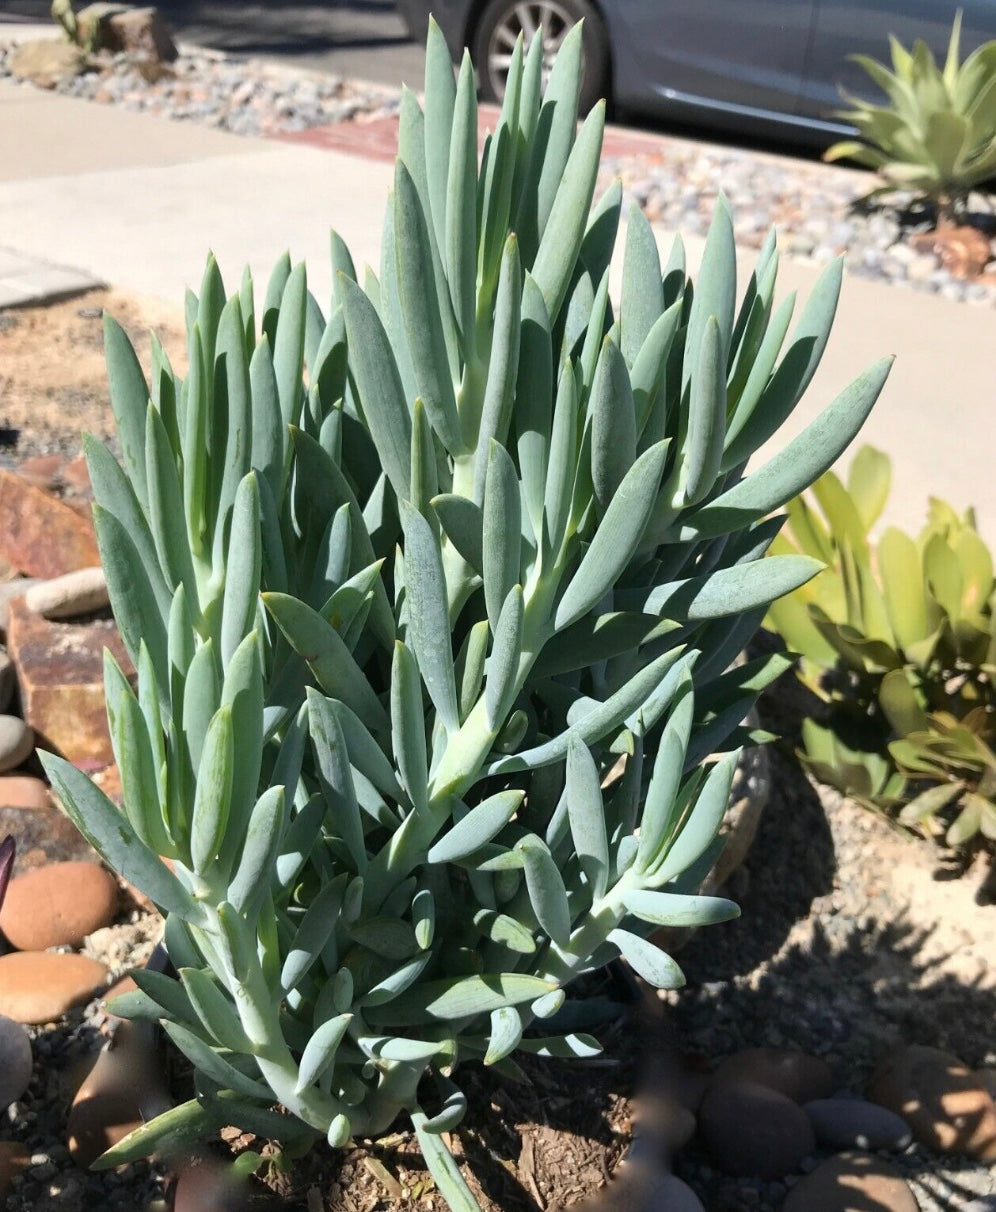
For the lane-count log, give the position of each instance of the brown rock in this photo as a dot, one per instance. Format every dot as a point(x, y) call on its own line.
point(751, 1129)
point(43, 471)
point(23, 791)
point(40, 535)
point(14, 1158)
point(41, 986)
point(43, 836)
point(125, 1088)
point(58, 905)
point(945, 1104)
point(45, 61)
point(60, 667)
point(852, 1182)
point(964, 251)
point(9, 590)
point(76, 474)
point(117, 28)
point(798, 1076)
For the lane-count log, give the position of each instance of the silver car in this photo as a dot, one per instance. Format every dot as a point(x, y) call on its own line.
point(772, 66)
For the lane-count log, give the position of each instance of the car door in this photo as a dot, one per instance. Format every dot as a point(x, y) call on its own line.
point(739, 53)
point(847, 27)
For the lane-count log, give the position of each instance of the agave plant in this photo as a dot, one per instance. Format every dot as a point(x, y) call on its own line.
point(899, 639)
point(936, 136)
point(402, 584)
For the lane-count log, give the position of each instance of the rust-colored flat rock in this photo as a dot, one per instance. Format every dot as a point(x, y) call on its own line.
point(39, 535)
point(60, 669)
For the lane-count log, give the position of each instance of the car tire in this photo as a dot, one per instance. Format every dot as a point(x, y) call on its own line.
point(500, 23)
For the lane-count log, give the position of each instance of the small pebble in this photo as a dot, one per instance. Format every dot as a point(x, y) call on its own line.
point(17, 742)
point(72, 594)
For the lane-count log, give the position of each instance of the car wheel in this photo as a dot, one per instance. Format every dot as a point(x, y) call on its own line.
point(500, 24)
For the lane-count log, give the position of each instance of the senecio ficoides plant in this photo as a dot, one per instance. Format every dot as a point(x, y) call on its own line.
point(402, 585)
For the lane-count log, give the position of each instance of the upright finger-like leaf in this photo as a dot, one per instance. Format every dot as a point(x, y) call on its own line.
point(501, 530)
point(408, 726)
point(545, 884)
point(461, 208)
point(379, 386)
point(613, 423)
point(129, 394)
point(335, 776)
point(561, 243)
point(423, 325)
point(425, 585)
point(212, 799)
point(506, 654)
point(616, 538)
point(245, 558)
point(586, 813)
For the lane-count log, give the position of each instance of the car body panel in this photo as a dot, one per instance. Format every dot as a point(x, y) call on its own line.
point(724, 50)
point(863, 27)
point(773, 67)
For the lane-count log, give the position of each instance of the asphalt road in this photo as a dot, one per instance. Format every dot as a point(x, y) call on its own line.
point(362, 39)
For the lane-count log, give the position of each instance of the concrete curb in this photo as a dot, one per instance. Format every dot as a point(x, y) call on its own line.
point(26, 280)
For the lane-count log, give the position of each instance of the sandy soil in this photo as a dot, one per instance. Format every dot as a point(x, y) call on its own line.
point(53, 384)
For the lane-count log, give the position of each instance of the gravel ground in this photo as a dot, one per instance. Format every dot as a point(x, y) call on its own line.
point(810, 203)
point(245, 96)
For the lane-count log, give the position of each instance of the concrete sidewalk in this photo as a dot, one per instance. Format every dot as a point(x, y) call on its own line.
point(137, 201)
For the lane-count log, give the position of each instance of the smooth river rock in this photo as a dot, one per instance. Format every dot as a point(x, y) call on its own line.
point(852, 1182)
point(24, 791)
point(125, 1088)
point(74, 593)
point(58, 905)
point(943, 1101)
point(15, 1061)
point(17, 741)
point(795, 1074)
point(41, 986)
point(751, 1129)
point(853, 1123)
